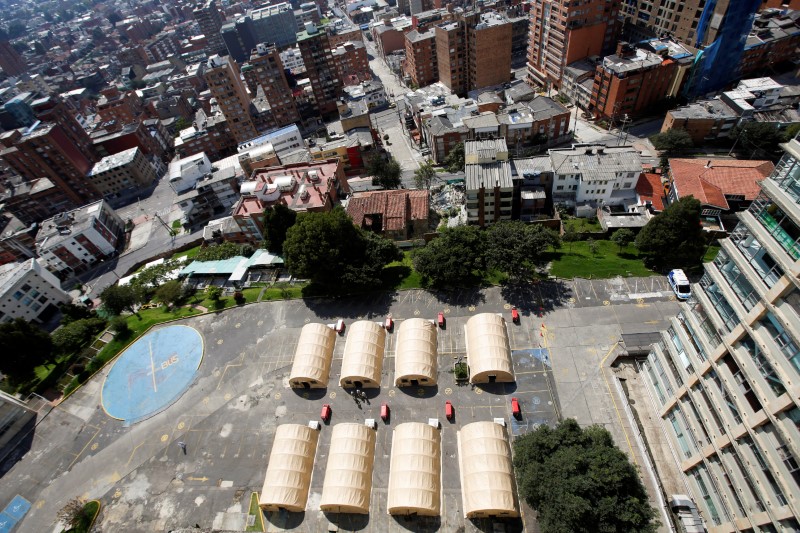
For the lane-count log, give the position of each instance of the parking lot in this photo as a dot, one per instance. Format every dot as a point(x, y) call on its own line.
point(228, 416)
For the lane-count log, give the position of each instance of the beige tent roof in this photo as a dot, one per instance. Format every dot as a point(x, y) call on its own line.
point(289, 468)
point(488, 349)
point(415, 471)
point(348, 476)
point(312, 358)
point(487, 477)
point(415, 357)
point(363, 354)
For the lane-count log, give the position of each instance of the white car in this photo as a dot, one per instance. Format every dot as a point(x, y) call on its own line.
point(679, 283)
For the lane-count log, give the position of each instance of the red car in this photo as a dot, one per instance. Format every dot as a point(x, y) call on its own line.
point(325, 415)
point(514, 315)
point(515, 408)
point(440, 320)
point(448, 410)
point(339, 326)
point(388, 324)
point(385, 411)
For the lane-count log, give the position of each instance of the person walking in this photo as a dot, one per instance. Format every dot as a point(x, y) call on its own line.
point(182, 446)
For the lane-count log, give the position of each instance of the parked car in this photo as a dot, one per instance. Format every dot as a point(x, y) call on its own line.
point(388, 324)
point(325, 414)
point(514, 315)
point(515, 410)
point(440, 320)
point(385, 412)
point(448, 410)
point(680, 284)
point(339, 328)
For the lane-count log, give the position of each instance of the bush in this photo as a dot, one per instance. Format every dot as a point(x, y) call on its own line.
point(461, 370)
point(120, 326)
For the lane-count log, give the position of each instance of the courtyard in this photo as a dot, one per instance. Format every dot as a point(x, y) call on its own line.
point(569, 333)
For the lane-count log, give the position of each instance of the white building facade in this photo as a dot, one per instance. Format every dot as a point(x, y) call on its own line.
point(28, 291)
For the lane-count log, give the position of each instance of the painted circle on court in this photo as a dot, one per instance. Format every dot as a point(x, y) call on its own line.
point(448, 391)
point(152, 373)
point(391, 392)
point(164, 437)
point(220, 341)
point(447, 311)
point(277, 395)
point(238, 325)
point(420, 392)
point(478, 391)
point(471, 308)
point(606, 302)
point(506, 306)
point(416, 312)
point(332, 395)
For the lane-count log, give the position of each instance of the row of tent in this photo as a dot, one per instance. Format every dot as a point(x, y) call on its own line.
point(488, 353)
point(415, 484)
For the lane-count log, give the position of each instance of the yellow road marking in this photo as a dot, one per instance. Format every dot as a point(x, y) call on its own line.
point(84, 448)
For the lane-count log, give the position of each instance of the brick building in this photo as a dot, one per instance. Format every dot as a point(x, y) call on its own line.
point(122, 172)
point(124, 107)
point(421, 64)
point(210, 21)
point(560, 35)
point(774, 39)
point(265, 69)
point(629, 82)
point(352, 63)
point(397, 215)
point(224, 82)
point(320, 68)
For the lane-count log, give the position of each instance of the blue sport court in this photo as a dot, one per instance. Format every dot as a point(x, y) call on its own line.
point(152, 373)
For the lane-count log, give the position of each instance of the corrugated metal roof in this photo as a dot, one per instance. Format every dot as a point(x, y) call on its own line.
point(488, 175)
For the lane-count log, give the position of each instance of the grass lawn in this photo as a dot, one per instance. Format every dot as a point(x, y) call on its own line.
point(190, 253)
point(283, 293)
point(255, 510)
point(583, 225)
point(42, 371)
point(576, 261)
point(401, 274)
point(251, 294)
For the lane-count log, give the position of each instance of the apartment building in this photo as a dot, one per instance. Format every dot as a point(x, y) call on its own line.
point(224, 82)
point(352, 63)
point(320, 68)
point(561, 33)
point(265, 69)
point(489, 186)
point(629, 82)
point(12, 63)
point(124, 107)
point(421, 64)
point(723, 378)
point(594, 174)
point(210, 21)
point(29, 291)
point(773, 40)
point(275, 24)
point(124, 172)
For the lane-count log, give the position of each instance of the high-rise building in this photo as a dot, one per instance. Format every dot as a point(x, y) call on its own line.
point(238, 39)
point(210, 21)
point(725, 377)
point(222, 76)
point(274, 24)
point(561, 33)
point(474, 51)
point(421, 64)
point(11, 61)
point(54, 109)
point(315, 47)
point(265, 69)
point(45, 150)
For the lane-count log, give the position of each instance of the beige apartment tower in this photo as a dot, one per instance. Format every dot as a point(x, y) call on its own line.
point(225, 83)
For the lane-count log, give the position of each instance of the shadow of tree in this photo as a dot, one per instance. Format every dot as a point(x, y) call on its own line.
point(531, 298)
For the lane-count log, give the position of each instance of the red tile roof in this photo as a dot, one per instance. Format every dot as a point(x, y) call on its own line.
point(650, 189)
point(710, 180)
point(397, 208)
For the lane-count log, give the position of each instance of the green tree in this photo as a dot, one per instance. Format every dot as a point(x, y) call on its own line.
point(119, 325)
point(516, 248)
point(758, 139)
point(25, 346)
point(328, 249)
point(578, 481)
point(278, 221)
point(592, 245)
point(454, 258)
point(214, 293)
point(674, 237)
point(672, 141)
point(72, 337)
point(424, 175)
point(623, 237)
point(118, 298)
point(455, 159)
point(73, 513)
point(218, 252)
point(181, 123)
point(16, 29)
point(170, 293)
point(155, 275)
point(570, 236)
point(71, 312)
point(385, 172)
point(114, 17)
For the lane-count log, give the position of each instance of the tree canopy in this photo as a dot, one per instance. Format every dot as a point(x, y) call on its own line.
point(674, 237)
point(118, 298)
point(170, 293)
point(673, 140)
point(424, 175)
point(25, 346)
point(278, 221)
point(71, 337)
point(578, 481)
point(385, 172)
point(455, 159)
point(226, 250)
point(453, 258)
point(155, 275)
point(758, 140)
point(516, 248)
point(623, 237)
point(328, 249)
